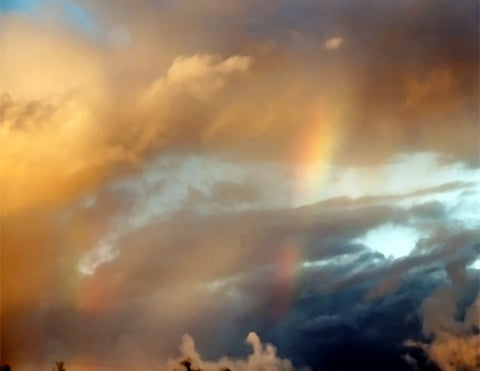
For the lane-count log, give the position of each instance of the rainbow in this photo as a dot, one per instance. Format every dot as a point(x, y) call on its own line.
point(312, 157)
point(313, 154)
point(285, 275)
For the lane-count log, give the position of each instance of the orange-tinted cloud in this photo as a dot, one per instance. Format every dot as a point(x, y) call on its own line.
point(71, 95)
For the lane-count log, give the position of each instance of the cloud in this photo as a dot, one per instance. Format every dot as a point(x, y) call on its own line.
point(434, 89)
point(453, 353)
point(333, 43)
point(67, 129)
point(454, 343)
point(263, 357)
point(38, 62)
point(199, 75)
point(184, 289)
point(134, 105)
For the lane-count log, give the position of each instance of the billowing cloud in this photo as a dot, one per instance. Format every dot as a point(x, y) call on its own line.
point(67, 129)
point(455, 343)
point(263, 358)
point(131, 106)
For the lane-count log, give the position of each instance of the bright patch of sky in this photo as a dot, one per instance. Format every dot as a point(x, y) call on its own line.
point(404, 174)
point(22, 6)
point(66, 12)
point(475, 264)
point(392, 241)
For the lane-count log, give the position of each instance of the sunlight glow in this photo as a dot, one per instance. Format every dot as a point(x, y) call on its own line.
point(475, 264)
point(391, 240)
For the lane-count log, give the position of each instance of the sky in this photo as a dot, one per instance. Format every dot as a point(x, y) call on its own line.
point(261, 185)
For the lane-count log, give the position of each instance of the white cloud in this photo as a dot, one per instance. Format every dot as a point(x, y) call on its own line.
point(333, 43)
point(199, 75)
point(264, 357)
point(100, 254)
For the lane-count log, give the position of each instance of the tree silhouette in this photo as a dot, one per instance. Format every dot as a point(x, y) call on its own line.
point(188, 365)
